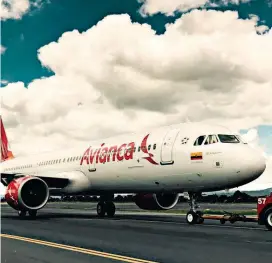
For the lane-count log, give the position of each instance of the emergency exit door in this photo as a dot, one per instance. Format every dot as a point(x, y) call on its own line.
point(167, 147)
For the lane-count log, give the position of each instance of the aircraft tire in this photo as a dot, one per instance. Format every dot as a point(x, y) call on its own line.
point(101, 209)
point(191, 218)
point(268, 218)
point(110, 207)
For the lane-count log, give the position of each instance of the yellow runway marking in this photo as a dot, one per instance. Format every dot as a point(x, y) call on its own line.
point(79, 249)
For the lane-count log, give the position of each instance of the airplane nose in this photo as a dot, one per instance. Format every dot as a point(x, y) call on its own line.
point(254, 163)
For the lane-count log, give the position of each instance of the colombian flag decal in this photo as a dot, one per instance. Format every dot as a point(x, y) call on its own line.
point(196, 156)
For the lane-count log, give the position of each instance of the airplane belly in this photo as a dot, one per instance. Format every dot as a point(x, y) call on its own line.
point(131, 178)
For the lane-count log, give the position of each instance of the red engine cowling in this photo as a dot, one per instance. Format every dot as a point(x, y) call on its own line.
point(163, 201)
point(27, 193)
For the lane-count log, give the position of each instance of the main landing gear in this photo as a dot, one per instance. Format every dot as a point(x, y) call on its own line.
point(194, 216)
point(105, 206)
point(32, 213)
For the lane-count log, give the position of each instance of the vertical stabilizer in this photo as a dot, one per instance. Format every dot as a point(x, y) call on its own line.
point(5, 152)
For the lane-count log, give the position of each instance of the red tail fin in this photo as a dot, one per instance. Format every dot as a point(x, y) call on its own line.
point(5, 152)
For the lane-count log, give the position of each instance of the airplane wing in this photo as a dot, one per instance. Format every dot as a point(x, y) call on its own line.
point(52, 179)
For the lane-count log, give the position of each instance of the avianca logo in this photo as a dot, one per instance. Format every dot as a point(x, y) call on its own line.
point(107, 154)
point(150, 156)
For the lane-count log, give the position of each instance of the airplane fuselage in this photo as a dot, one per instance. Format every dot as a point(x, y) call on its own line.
point(164, 159)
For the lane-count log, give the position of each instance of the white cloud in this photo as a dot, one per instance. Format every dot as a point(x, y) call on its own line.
point(15, 9)
point(2, 49)
point(151, 7)
point(120, 76)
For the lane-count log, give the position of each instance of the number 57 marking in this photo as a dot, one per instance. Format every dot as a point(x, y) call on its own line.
point(261, 201)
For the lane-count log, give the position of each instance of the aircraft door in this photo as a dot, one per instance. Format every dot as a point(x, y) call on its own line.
point(167, 147)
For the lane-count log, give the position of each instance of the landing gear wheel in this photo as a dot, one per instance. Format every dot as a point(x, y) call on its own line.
point(101, 209)
point(268, 219)
point(191, 217)
point(32, 213)
point(110, 207)
point(194, 216)
point(21, 213)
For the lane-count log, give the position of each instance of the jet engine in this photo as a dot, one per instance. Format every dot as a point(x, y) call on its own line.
point(162, 201)
point(27, 193)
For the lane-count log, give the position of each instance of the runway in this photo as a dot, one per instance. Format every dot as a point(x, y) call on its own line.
point(131, 236)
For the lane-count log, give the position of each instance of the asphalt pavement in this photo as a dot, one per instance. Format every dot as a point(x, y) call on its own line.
point(75, 234)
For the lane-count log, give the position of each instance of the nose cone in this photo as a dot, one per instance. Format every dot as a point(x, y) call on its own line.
point(254, 165)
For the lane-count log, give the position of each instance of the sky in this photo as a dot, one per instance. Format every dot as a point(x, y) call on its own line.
point(73, 71)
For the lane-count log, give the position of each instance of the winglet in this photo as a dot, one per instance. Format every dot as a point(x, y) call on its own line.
point(5, 152)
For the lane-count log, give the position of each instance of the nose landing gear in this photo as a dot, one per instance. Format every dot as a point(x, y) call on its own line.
point(194, 216)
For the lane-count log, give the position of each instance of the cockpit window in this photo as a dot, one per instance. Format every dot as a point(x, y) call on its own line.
point(211, 139)
point(224, 138)
point(199, 140)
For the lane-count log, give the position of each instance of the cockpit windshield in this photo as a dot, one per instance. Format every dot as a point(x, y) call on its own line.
point(211, 139)
point(224, 138)
point(199, 140)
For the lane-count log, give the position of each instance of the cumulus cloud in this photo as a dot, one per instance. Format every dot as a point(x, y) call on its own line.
point(120, 76)
point(15, 9)
point(151, 7)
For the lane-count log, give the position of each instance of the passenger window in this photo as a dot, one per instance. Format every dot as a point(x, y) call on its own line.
point(139, 148)
point(199, 140)
point(211, 139)
point(154, 147)
point(149, 147)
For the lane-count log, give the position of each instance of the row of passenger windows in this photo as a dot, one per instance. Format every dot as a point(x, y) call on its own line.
point(210, 139)
point(18, 167)
point(72, 159)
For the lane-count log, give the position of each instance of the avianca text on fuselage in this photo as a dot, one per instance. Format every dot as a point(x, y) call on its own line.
point(112, 153)
point(108, 153)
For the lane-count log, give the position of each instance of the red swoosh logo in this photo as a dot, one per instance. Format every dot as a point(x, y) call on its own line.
point(144, 149)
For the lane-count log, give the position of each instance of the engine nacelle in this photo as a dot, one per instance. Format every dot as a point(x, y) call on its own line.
point(163, 201)
point(27, 193)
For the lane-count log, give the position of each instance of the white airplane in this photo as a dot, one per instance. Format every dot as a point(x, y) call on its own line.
point(157, 166)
